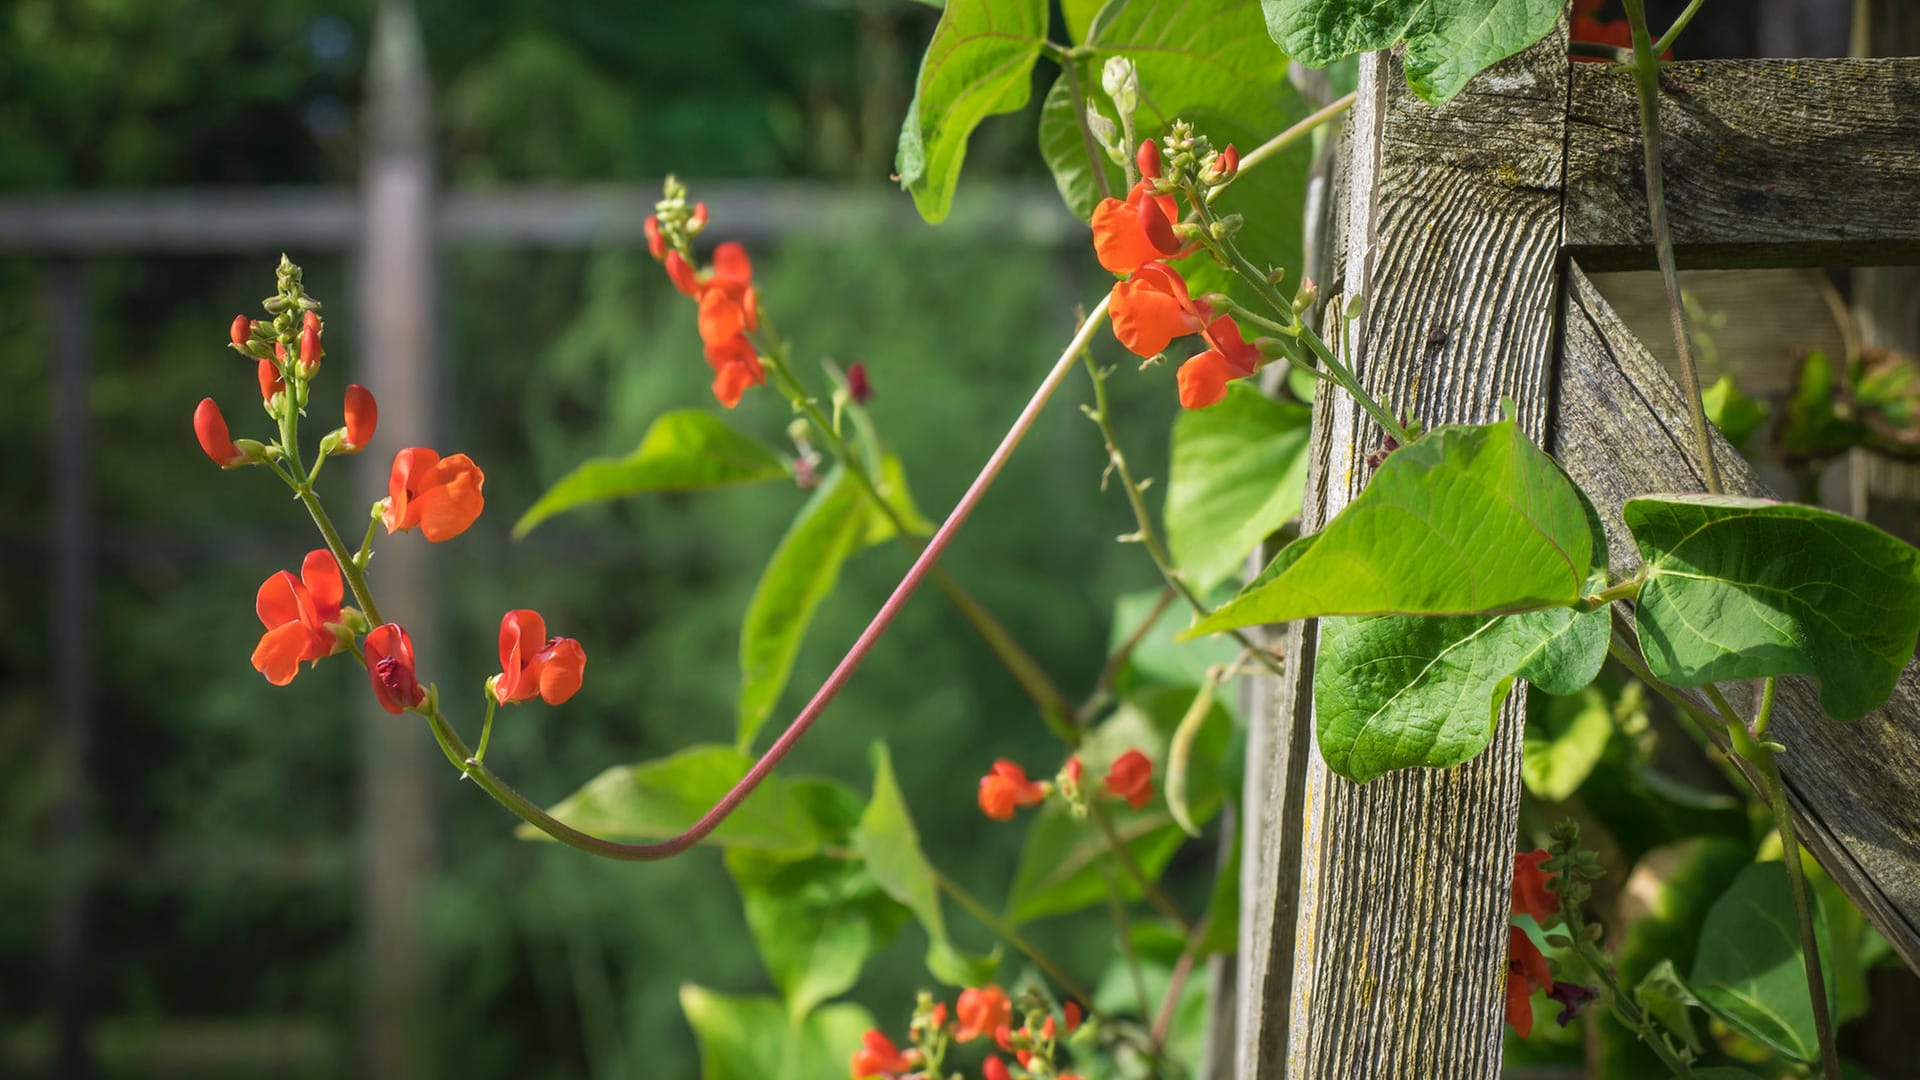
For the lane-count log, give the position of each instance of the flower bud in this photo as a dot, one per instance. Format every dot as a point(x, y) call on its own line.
point(310, 351)
point(363, 415)
point(210, 427)
point(1306, 295)
point(241, 329)
point(1148, 158)
point(270, 381)
point(1121, 80)
point(1225, 164)
point(857, 384)
point(699, 219)
point(656, 244)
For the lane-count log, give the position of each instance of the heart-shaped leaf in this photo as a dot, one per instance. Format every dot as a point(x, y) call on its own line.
point(685, 450)
point(1448, 41)
point(1395, 691)
point(816, 921)
point(1464, 520)
point(1239, 471)
point(1749, 969)
point(979, 63)
point(1739, 588)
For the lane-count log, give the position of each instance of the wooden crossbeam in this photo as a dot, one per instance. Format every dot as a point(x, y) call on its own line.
point(1622, 430)
point(1767, 163)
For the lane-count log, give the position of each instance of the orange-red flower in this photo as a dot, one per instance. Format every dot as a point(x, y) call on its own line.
point(1530, 893)
point(1203, 379)
point(1526, 972)
point(656, 243)
point(298, 614)
point(1072, 1011)
point(994, 1069)
point(736, 368)
point(1148, 159)
point(1225, 165)
point(1587, 27)
point(363, 415)
point(1132, 233)
point(270, 381)
point(981, 1010)
point(727, 302)
point(1152, 307)
point(878, 1056)
point(240, 331)
point(389, 653)
point(1131, 778)
point(210, 427)
point(439, 495)
point(1007, 787)
point(534, 665)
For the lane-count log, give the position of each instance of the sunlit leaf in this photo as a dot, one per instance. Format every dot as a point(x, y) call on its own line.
point(1239, 472)
point(1564, 742)
point(686, 450)
point(752, 1038)
point(1447, 41)
point(979, 63)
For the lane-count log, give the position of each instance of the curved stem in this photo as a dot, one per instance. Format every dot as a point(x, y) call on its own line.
point(1005, 932)
point(457, 752)
point(1679, 24)
point(1297, 132)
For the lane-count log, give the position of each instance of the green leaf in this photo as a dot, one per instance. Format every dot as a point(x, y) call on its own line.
point(815, 921)
point(1060, 863)
point(685, 450)
point(979, 63)
point(753, 1038)
point(1464, 520)
point(1239, 472)
point(836, 522)
point(1204, 61)
point(662, 798)
point(1740, 588)
point(1448, 41)
point(1079, 15)
point(888, 842)
point(1733, 412)
point(1663, 995)
point(1749, 972)
point(1395, 691)
point(1564, 742)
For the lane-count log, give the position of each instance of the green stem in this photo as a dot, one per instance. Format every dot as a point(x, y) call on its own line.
point(1673, 32)
point(1623, 1006)
point(1005, 932)
point(1765, 714)
point(1123, 936)
point(1124, 856)
point(486, 726)
point(1761, 753)
point(1646, 81)
point(366, 543)
point(1295, 133)
point(1149, 537)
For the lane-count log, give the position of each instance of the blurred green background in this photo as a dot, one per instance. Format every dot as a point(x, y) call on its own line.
point(213, 898)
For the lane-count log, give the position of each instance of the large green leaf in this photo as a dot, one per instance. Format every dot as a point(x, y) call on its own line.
point(816, 922)
point(1239, 471)
point(662, 798)
point(1395, 691)
point(1749, 972)
point(1464, 520)
point(1204, 61)
point(1448, 41)
point(890, 844)
point(979, 63)
point(1564, 741)
point(685, 450)
point(1739, 588)
point(1060, 867)
point(753, 1038)
point(836, 522)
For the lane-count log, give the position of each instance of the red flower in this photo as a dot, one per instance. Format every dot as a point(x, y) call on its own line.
point(1152, 307)
point(879, 1057)
point(390, 668)
point(211, 429)
point(1225, 165)
point(656, 244)
point(534, 665)
point(1128, 235)
point(1131, 778)
point(1594, 31)
point(682, 275)
point(270, 381)
point(735, 369)
point(1007, 787)
point(1530, 893)
point(310, 350)
point(1148, 158)
point(363, 415)
point(298, 613)
point(981, 1010)
point(240, 331)
point(1203, 379)
point(727, 303)
point(1072, 1011)
point(1526, 972)
point(857, 385)
point(994, 1069)
point(440, 495)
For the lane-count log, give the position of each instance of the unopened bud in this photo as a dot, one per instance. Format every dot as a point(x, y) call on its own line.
point(310, 351)
point(699, 219)
point(1356, 307)
point(253, 450)
point(857, 384)
point(1225, 164)
point(241, 329)
point(276, 304)
point(1305, 295)
point(1148, 159)
point(1121, 80)
point(1224, 227)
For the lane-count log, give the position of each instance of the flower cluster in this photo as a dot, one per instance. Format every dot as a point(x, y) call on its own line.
point(1140, 236)
point(1006, 788)
point(1536, 893)
point(979, 1012)
point(305, 619)
point(729, 308)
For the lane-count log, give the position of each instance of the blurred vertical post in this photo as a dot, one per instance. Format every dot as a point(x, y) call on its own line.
point(69, 436)
point(396, 361)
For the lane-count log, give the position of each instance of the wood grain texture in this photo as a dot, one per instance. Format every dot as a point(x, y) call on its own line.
point(1768, 163)
point(1398, 890)
point(1622, 430)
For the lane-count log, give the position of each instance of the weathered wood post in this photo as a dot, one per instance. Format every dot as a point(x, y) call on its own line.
point(1376, 926)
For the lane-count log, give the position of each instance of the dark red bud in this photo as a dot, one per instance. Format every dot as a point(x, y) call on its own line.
point(1148, 158)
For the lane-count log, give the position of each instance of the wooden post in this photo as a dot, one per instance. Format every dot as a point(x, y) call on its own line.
point(396, 361)
point(1378, 944)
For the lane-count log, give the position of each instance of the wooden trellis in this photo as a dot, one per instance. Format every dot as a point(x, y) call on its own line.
point(1374, 938)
